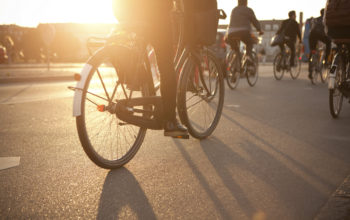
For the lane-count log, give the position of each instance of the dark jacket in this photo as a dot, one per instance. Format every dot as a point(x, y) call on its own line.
point(241, 18)
point(317, 25)
point(291, 29)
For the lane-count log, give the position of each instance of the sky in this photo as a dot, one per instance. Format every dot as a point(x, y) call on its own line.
point(32, 12)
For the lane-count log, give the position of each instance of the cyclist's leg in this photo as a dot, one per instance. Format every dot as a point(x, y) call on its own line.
point(281, 46)
point(233, 41)
point(161, 39)
point(291, 45)
point(248, 41)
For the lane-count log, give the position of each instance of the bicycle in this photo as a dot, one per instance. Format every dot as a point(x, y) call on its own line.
point(239, 66)
point(281, 64)
point(318, 65)
point(339, 77)
point(112, 115)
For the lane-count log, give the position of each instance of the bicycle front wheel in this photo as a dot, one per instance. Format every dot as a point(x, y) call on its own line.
point(233, 70)
point(315, 69)
point(109, 142)
point(335, 102)
point(278, 70)
point(295, 70)
point(335, 96)
point(201, 94)
point(324, 69)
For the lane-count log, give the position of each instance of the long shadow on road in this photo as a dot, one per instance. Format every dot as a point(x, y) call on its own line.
point(120, 190)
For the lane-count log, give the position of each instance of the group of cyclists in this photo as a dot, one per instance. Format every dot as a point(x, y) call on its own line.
point(156, 13)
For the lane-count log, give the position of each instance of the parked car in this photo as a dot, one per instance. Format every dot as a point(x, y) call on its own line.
point(3, 55)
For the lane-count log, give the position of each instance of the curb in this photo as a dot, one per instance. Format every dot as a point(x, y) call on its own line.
point(36, 79)
point(338, 205)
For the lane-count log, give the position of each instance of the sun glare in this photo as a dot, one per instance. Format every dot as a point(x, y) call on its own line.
point(31, 13)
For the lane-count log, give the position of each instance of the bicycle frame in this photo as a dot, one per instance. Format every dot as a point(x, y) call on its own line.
point(343, 55)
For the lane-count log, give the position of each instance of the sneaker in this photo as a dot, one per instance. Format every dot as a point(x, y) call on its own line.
point(175, 129)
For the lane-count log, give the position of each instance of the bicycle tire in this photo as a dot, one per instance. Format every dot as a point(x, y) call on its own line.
point(232, 73)
point(335, 104)
point(324, 74)
point(315, 69)
point(324, 69)
point(278, 71)
point(252, 71)
point(99, 144)
point(189, 86)
point(295, 71)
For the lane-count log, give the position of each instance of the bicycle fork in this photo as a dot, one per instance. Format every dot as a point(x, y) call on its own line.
point(333, 71)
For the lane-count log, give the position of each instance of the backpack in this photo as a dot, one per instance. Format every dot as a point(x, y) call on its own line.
point(337, 13)
point(317, 25)
point(201, 21)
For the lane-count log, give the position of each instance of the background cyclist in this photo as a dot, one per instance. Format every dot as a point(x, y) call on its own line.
point(292, 31)
point(240, 27)
point(317, 33)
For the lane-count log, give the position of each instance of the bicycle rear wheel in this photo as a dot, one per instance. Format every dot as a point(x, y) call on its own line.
point(324, 69)
point(315, 69)
point(295, 70)
point(251, 70)
point(201, 94)
point(278, 70)
point(233, 69)
point(109, 142)
point(335, 96)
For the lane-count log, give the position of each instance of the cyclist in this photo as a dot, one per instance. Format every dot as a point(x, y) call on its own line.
point(240, 27)
point(156, 15)
point(291, 31)
point(317, 33)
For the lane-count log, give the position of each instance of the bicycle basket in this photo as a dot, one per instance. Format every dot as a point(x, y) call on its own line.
point(201, 21)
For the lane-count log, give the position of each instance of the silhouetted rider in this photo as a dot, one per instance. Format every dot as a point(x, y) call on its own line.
point(292, 31)
point(156, 13)
point(240, 27)
point(317, 33)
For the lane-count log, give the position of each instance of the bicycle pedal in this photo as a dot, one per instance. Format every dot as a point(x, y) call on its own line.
point(182, 136)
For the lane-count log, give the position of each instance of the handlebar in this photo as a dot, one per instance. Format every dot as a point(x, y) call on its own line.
point(222, 14)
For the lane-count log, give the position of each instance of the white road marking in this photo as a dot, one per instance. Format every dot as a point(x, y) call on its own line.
point(9, 162)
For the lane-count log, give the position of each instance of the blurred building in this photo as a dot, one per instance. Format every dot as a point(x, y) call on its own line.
point(68, 45)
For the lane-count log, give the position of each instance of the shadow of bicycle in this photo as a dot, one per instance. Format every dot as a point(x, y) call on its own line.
point(123, 197)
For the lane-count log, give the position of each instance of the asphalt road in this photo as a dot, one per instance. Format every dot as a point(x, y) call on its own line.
point(276, 154)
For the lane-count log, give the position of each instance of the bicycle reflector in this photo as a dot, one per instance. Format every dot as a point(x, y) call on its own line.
point(101, 108)
point(77, 77)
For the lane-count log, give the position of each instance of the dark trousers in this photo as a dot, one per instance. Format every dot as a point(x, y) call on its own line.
point(235, 37)
point(291, 45)
point(314, 37)
point(160, 37)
